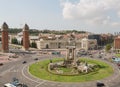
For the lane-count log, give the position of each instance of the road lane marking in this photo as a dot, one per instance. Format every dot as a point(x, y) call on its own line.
point(40, 84)
point(26, 76)
point(14, 70)
point(3, 73)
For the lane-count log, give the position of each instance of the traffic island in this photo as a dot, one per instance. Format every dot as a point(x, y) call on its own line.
point(41, 70)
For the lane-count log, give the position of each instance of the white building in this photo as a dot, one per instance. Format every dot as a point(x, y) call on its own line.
point(88, 43)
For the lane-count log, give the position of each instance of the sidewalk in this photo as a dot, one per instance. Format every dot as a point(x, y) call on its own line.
point(7, 57)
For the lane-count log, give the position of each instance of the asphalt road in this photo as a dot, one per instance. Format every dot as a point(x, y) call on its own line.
point(19, 70)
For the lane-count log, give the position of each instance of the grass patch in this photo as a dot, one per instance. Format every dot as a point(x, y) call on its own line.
point(39, 70)
point(118, 55)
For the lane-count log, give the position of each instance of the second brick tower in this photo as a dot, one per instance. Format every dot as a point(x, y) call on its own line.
point(26, 37)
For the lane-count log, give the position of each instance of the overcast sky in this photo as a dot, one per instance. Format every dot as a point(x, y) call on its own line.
point(99, 16)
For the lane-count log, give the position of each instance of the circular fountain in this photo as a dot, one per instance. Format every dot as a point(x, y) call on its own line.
point(70, 65)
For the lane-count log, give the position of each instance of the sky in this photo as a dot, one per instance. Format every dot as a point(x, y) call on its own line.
point(97, 16)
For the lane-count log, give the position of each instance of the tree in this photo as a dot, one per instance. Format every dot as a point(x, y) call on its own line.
point(33, 45)
point(14, 41)
point(108, 47)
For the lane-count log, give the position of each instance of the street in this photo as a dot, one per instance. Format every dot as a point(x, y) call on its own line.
point(20, 71)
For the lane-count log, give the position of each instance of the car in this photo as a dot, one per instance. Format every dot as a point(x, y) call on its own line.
point(24, 62)
point(1, 64)
point(14, 83)
point(100, 84)
point(36, 59)
point(9, 85)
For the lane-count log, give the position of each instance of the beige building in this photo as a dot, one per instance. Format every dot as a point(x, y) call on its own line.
point(61, 44)
point(51, 44)
point(59, 41)
point(88, 44)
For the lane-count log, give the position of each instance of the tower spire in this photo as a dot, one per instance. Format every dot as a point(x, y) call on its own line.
point(4, 30)
point(26, 37)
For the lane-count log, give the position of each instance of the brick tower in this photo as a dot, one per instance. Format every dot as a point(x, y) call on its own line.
point(4, 30)
point(26, 37)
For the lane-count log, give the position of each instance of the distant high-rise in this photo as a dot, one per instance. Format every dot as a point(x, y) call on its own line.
point(26, 37)
point(95, 36)
point(4, 30)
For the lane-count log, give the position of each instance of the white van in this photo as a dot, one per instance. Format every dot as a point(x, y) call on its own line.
point(9, 85)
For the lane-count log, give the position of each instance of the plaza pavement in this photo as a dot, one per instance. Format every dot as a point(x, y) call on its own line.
point(7, 57)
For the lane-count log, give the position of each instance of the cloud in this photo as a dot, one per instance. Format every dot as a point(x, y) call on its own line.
point(99, 20)
point(84, 9)
point(115, 24)
point(118, 13)
point(93, 11)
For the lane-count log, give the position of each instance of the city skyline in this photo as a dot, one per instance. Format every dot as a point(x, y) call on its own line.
point(98, 16)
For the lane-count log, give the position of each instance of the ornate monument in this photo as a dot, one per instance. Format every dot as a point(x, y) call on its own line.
point(4, 30)
point(70, 65)
point(70, 55)
point(26, 37)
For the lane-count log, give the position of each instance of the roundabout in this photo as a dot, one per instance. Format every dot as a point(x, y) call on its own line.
point(71, 68)
point(110, 81)
point(40, 70)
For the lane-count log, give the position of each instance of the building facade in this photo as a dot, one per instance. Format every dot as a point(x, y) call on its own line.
point(117, 44)
point(97, 37)
point(49, 41)
point(86, 44)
